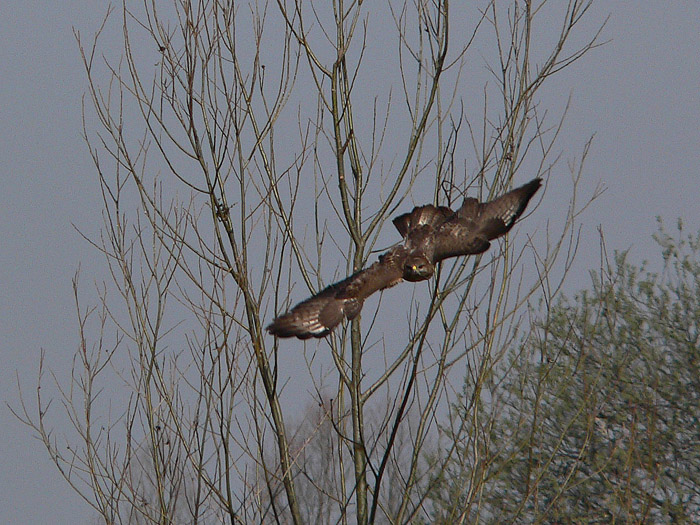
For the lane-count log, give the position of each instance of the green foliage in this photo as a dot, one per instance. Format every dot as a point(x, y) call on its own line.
point(595, 418)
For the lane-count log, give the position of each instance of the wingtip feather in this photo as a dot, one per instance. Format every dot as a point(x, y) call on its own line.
point(288, 326)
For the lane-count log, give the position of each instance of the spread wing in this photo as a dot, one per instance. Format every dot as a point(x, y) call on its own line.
point(469, 231)
point(318, 315)
point(431, 234)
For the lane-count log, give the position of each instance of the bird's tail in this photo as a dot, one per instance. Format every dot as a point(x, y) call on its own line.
point(421, 215)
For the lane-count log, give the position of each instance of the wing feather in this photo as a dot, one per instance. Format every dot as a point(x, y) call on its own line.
point(320, 314)
point(431, 234)
point(508, 208)
point(429, 215)
point(475, 224)
point(459, 237)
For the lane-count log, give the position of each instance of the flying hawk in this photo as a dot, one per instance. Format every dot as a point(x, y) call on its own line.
point(431, 234)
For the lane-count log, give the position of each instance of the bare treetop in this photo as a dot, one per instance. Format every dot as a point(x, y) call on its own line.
point(239, 147)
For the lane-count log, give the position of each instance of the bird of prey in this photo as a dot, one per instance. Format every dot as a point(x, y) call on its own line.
point(430, 234)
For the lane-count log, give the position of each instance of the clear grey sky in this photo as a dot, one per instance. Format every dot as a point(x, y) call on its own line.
point(640, 96)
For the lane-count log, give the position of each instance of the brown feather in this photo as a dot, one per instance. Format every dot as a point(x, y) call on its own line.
point(422, 215)
point(431, 234)
point(509, 207)
point(475, 224)
point(321, 313)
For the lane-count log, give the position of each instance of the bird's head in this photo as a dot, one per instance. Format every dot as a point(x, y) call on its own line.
point(418, 268)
